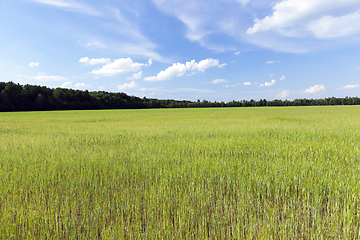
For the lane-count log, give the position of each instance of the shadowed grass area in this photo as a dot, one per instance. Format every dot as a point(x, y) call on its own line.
point(241, 173)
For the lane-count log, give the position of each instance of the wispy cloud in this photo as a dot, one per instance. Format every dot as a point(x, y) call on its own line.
point(68, 5)
point(283, 94)
point(247, 83)
point(33, 64)
point(216, 81)
point(271, 62)
point(179, 69)
point(46, 78)
point(282, 78)
point(350, 86)
point(124, 86)
point(177, 90)
point(135, 76)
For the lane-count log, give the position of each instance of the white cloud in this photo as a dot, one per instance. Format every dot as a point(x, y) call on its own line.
point(70, 6)
point(237, 53)
point(46, 78)
point(66, 85)
point(270, 62)
point(121, 65)
point(76, 85)
point(94, 61)
point(282, 78)
point(162, 90)
point(334, 27)
point(350, 86)
point(135, 76)
point(205, 19)
point(150, 62)
point(216, 81)
point(295, 17)
point(243, 2)
point(315, 89)
point(33, 64)
point(194, 90)
point(247, 83)
point(124, 86)
point(82, 85)
point(92, 44)
point(283, 94)
point(179, 69)
point(268, 84)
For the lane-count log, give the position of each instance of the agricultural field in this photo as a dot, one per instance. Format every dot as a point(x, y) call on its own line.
point(225, 173)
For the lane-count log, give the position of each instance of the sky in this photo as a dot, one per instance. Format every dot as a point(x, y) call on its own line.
point(215, 50)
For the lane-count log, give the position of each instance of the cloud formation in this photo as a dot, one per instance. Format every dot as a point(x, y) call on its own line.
point(315, 89)
point(268, 84)
point(135, 76)
point(94, 61)
point(76, 85)
point(247, 83)
point(33, 64)
point(296, 17)
point(282, 78)
point(271, 62)
point(124, 86)
point(70, 6)
point(216, 81)
point(46, 78)
point(179, 69)
point(121, 65)
point(283, 94)
point(350, 86)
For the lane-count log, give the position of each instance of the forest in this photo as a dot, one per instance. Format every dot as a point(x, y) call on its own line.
point(16, 97)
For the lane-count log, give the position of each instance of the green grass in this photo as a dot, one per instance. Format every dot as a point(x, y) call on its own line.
point(241, 173)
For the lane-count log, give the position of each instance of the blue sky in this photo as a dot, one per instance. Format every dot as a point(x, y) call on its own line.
point(218, 50)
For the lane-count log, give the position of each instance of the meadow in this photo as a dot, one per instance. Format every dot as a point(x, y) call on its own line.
point(212, 173)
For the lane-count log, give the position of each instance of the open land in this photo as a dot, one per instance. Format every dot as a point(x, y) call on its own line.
point(241, 173)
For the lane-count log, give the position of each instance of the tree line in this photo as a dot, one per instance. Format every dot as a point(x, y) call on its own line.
point(16, 97)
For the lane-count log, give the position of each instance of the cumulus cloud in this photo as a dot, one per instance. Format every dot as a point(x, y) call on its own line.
point(135, 76)
point(76, 85)
point(94, 61)
point(350, 86)
point(282, 78)
point(33, 64)
point(268, 84)
point(216, 81)
point(315, 89)
point(283, 94)
point(124, 86)
point(82, 85)
point(46, 78)
point(66, 85)
point(121, 65)
point(247, 83)
point(179, 69)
